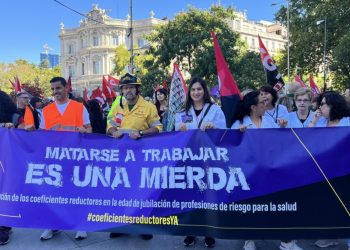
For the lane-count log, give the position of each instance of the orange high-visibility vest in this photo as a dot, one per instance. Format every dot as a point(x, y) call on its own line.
point(28, 117)
point(69, 121)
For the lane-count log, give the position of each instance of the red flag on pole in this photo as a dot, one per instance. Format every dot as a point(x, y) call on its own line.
point(165, 85)
point(315, 90)
point(229, 92)
point(16, 85)
point(107, 89)
point(98, 95)
point(273, 78)
point(113, 81)
point(69, 85)
point(297, 79)
point(177, 96)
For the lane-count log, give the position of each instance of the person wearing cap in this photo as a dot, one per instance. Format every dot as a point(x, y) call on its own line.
point(132, 115)
point(64, 115)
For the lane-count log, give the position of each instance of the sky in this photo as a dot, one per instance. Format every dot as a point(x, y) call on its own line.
point(28, 25)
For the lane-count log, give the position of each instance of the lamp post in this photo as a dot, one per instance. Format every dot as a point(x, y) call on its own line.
point(324, 52)
point(288, 36)
point(131, 42)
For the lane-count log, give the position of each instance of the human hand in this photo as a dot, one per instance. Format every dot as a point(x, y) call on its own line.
point(134, 135)
point(242, 128)
point(282, 123)
point(182, 127)
point(208, 125)
point(81, 130)
point(117, 134)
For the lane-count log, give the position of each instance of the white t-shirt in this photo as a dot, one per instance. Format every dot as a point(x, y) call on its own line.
point(265, 123)
point(294, 121)
point(322, 122)
point(279, 112)
point(214, 116)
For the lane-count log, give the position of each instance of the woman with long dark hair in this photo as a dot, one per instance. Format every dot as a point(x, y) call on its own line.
point(251, 113)
point(161, 102)
point(200, 113)
point(98, 122)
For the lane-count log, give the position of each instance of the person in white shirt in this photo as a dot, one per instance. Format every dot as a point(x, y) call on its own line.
point(275, 112)
point(303, 116)
point(200, 113)
point(251, 115)
point(334, 109)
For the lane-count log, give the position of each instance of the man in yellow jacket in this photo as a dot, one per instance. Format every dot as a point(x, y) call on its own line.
point(132, 115)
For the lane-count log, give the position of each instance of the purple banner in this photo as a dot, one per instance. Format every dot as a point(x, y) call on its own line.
point(221, 182)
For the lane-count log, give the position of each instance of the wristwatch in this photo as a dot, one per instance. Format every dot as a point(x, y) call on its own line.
point(141, 133)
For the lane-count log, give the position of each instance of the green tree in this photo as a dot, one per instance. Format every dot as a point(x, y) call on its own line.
point(28, 73)
point(307, 38)
point(187, 40)
point(121, 60)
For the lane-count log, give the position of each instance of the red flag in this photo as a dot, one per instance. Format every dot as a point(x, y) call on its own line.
point(98, 95)
point(107, 89)
point(227, 83)
point(177, 96)
point(229, 92)
point(16, 85)
point(272, 76)
point(315, 90)
point(69, 85)
point(112, 80)
point(165, 85)
point(298, 80)
point(85, 95)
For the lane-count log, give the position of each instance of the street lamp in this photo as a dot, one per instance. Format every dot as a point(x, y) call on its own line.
point(288, 37)
point(324, 52)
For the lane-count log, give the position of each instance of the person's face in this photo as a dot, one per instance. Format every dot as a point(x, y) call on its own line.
point(129, 91)
point(267, 97)
point(325, 108)
point(59, 92)
point(303, 102)
point(260, 107)
point(23, 100)
point(160, 96)
point(197, 92)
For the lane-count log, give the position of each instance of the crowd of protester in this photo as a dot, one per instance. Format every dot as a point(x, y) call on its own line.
point(263, 108)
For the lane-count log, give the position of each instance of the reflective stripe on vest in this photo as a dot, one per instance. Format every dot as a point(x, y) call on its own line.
point(69, 121)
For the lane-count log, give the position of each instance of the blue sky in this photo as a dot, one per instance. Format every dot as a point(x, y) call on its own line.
point(28, 25)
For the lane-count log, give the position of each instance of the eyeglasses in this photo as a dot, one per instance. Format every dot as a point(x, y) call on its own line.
point(302, 100)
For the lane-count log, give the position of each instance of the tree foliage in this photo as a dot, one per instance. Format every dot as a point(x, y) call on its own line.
point(187, 40)
point(307, 38)
point(32, 77)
